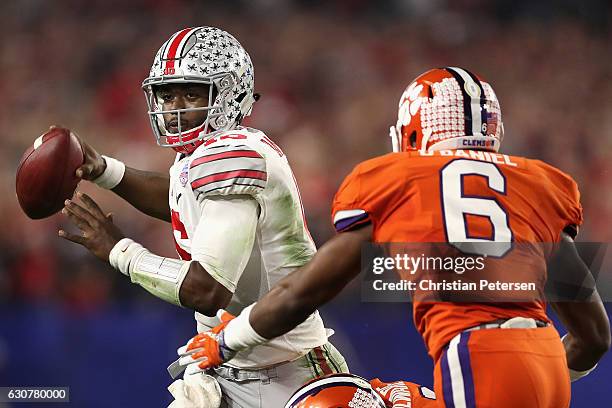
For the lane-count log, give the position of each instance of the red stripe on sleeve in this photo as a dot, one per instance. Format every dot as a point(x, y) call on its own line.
point(227, 175)
point(322, 361)
point(225, 155)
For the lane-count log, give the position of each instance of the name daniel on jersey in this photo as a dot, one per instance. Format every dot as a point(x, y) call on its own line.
point(474, 154)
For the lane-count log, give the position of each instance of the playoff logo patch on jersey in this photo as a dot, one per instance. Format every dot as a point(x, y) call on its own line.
point(184, 176)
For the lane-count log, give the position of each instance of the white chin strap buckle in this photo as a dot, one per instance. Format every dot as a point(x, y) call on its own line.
point(395, 138)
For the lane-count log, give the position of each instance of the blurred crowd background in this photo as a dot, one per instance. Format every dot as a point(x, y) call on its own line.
point(330, 74)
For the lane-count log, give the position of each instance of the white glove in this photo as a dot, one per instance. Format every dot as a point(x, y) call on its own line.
point(195, 391)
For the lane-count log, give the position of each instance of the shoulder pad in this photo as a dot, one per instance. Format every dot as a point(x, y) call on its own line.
point(226, 169)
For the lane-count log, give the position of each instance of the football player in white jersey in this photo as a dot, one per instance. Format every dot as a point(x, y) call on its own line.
point(229, 192)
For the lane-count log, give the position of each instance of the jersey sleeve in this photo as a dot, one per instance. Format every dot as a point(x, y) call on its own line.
point(348, 212)
point(224, 238)
point(564, 200)
point(227, 170)
point(574, 211)
point(369, 193)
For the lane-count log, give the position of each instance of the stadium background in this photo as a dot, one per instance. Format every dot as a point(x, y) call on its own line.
point(330, 74)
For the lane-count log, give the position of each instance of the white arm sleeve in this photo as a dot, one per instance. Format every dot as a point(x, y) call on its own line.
point(224, 238)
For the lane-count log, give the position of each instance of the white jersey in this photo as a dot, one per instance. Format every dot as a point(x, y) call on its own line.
point(245, 162)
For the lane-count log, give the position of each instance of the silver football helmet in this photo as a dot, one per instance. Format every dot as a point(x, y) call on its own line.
point(201, 55)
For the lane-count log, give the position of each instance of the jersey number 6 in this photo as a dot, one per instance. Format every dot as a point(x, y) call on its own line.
point(456, 205)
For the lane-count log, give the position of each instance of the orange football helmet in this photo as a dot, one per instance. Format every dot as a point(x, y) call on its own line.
point(448, 108)
point(336, 391)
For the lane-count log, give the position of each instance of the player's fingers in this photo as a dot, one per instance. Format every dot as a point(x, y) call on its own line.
point(84, 171)
point(76, 220)
point(204, 365)
point(79, 239)
point(192, 359)
point(109, 217)
point(77, 214)
point(195, 346)
point(182, 351)
point(199, 356)
point(91, 205)
point(189, 349)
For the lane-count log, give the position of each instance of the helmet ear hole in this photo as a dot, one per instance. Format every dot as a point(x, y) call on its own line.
point(412, 139)
point(213, 93)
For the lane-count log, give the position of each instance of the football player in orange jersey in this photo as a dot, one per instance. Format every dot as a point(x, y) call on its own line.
point(447, 183)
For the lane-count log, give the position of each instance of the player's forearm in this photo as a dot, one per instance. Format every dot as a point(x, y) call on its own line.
point(589, 332)
point(286, 306)
point(298, 295)
point(586, 320)
point(146, 191)
point(221, 246)
point(202, 293)
point(279, 312)
point(582, 356)
point(182, 283)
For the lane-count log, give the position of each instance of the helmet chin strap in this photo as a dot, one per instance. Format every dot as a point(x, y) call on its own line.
point(424, 140)
point(246, 105)
point(395, 142)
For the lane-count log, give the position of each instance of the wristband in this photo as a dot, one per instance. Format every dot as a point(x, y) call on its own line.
point(576, 375)
point(160, 276)
point(112, 174)
point(123, 253)
point(239, 334)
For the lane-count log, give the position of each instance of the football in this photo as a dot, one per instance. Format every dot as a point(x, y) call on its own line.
point(46, 173)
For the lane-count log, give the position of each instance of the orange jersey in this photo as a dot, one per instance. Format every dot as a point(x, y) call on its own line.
point(454, 196)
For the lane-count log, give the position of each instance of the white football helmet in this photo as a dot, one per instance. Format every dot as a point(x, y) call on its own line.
point(201, 55)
